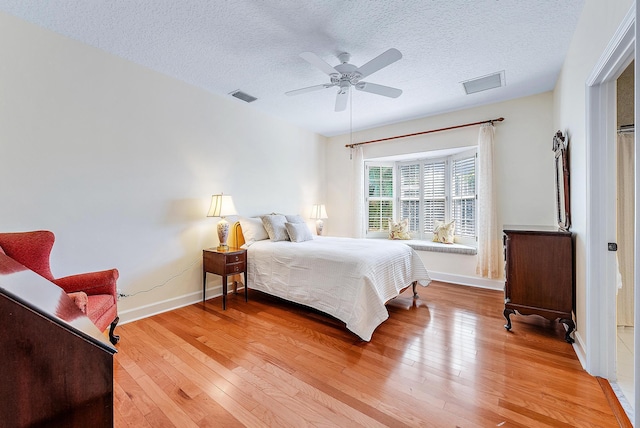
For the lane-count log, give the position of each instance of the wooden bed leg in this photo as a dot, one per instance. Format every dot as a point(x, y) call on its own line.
point(413, 285)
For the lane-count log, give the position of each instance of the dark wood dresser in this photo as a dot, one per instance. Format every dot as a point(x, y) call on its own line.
point(57, 367)
point(540, 276)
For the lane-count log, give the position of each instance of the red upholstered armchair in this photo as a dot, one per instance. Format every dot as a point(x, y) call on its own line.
point(32, 249)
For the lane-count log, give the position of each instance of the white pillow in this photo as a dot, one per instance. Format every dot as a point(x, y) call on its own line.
point(298, 232)
point(295, 218)
point(274, 224)
point(253, 230)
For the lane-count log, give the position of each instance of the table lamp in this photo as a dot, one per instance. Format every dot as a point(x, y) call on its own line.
point(222, 206)
point(318, 212)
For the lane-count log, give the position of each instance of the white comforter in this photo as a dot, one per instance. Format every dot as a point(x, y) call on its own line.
point(350, 279)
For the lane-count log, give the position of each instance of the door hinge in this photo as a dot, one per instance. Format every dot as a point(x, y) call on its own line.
point(612, 246)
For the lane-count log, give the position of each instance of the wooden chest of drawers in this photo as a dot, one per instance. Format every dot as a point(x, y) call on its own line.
point(540, 274)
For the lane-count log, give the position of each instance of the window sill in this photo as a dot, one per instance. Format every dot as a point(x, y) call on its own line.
point(423, 245)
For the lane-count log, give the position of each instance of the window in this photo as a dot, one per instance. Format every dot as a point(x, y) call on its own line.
point(380, 197)
point(425, 191)
point(435, 200)
point(463, 195)
point(410, 194)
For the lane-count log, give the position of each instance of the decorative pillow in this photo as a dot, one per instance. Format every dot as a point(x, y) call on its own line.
point(443, 232)
point(298, 232)
point(294, 218)
point(253, 230)
point(399, 229)
point(274, 224)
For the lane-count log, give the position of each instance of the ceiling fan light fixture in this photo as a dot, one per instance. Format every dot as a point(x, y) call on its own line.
point(484, 83)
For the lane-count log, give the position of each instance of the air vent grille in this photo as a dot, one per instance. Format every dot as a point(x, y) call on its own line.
point(484, 83)
point(243, 96)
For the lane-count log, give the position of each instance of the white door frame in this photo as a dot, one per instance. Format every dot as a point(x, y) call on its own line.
point(600, 331)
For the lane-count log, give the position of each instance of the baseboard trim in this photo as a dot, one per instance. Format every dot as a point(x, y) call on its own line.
point(492, 284)
point(579, 348)
point(155, 308)
point(167, 305)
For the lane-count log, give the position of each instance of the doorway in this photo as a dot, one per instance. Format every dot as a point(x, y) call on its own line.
point(601, 263)
point(625, 234)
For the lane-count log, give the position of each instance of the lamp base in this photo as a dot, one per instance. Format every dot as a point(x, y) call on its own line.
point(319, 226)
point(222, 248)
point(223, 234)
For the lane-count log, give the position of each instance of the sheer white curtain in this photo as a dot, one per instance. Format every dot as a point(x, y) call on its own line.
point(490, 261)
point(625, 227)
point(357, 193)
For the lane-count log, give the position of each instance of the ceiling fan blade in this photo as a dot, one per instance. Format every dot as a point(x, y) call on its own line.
point(308, 89)
point(387, 57)
point(342, 98)
point(387, 91)
point(314, 59)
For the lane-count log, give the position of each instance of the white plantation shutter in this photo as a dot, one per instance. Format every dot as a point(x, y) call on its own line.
point(380, 197)
point(424, 191)
point(410, 195)
point(463, 195)
point(434, 194)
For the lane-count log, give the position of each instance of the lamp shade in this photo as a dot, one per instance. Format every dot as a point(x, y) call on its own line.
point(221, 206)
point(318, 212)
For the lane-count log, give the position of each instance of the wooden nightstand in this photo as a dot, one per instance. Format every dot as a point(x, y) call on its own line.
point(228, 262)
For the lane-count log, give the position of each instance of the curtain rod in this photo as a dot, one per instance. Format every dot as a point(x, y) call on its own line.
point(500, 119)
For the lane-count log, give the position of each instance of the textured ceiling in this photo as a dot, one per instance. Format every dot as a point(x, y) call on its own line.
point(254, 46)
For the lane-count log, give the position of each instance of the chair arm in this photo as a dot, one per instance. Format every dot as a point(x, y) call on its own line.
point(92, 283)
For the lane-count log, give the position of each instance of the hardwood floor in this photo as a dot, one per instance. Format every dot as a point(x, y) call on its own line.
point(444, 360)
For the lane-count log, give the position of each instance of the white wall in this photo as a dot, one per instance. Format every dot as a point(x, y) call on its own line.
point(120, 163)
point(598, 23)
point(524, 176)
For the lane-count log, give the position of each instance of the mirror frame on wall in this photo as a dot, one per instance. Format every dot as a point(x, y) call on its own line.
point(563, 210)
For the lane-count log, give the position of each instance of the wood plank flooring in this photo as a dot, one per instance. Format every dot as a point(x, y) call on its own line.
point(444, 360)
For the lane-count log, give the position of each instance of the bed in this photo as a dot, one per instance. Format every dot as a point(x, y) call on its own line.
point(349, 279)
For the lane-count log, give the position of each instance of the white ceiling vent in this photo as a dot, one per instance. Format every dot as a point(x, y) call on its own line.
point(483, 83)
point(242, 96)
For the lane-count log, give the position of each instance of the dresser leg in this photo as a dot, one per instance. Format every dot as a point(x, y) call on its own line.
point(507, 313)
point(570, 327)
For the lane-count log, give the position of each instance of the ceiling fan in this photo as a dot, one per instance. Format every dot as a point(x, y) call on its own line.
point(346, 75)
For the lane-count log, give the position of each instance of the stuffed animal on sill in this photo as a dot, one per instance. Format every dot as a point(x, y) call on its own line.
point(399, 229)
